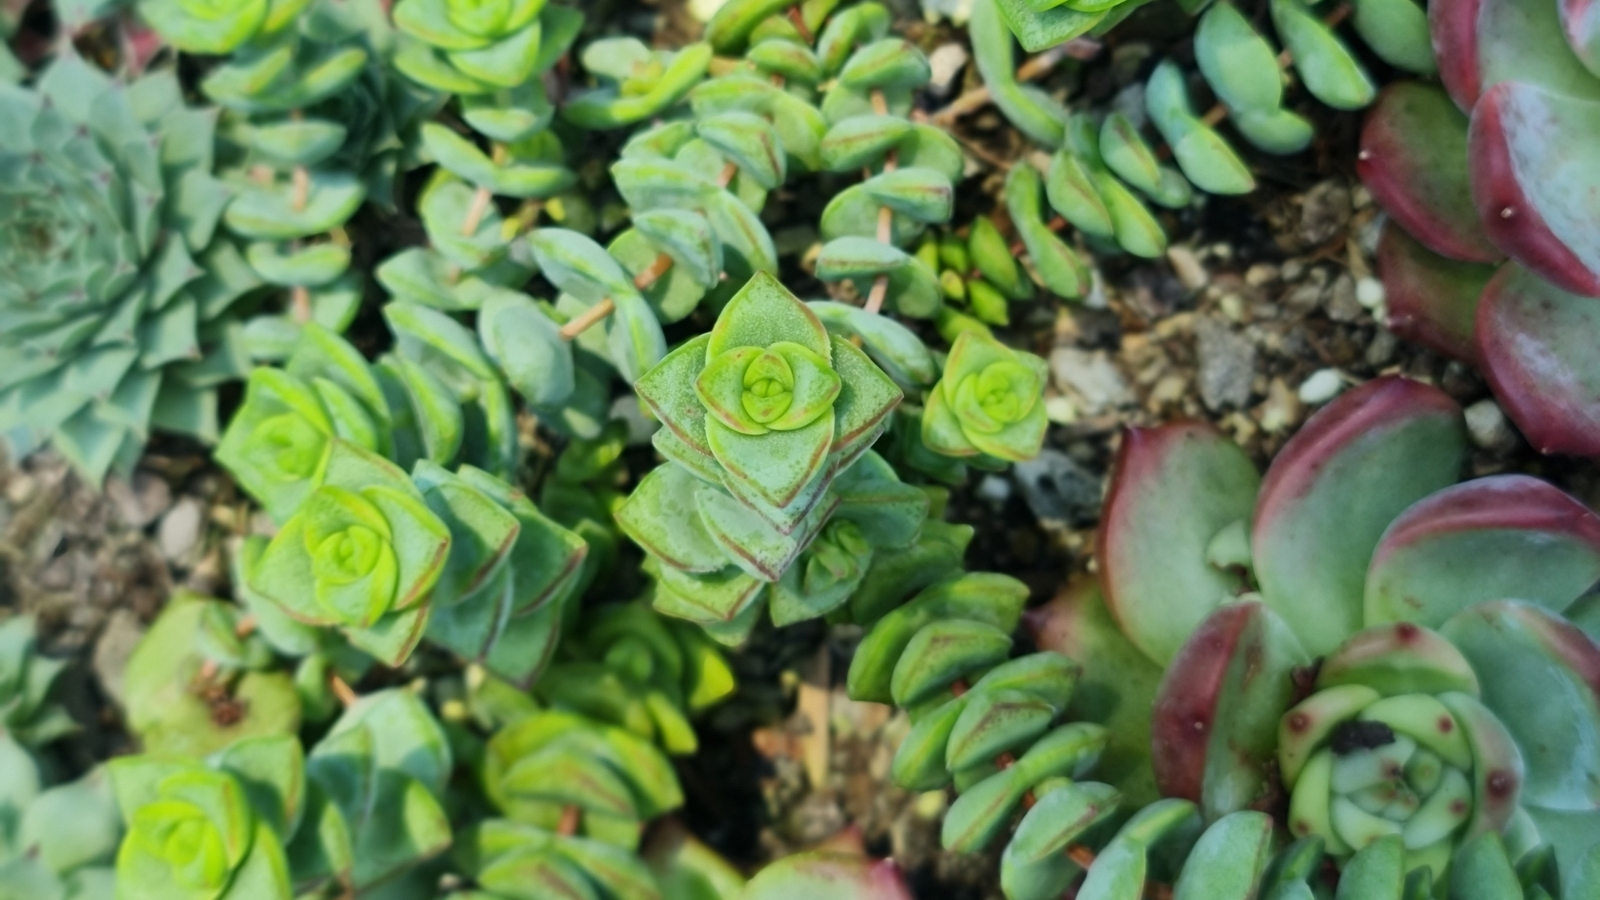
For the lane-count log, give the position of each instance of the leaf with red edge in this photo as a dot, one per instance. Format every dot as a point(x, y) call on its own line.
point(1535, 182)
point(1496, 537)
point(1414, 160)
point(1481, 43)
point(836, 876)
point(1172, 490)
point(1117, 688)
point(1541, 677)
point(1214, 734)
point(1537, 343)
point(1432, 301)
point(1334, 488)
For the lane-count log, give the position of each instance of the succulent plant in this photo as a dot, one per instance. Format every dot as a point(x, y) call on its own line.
point(637, 83)
point(989, 401)
point(58, 842)
point(118, 294)
point(1105, 169)
point(627, 665)
point(27, 713)
point(559, 772)
point(212, 828)
point(1485, 257)
point(1227, 587)
point(201, 679)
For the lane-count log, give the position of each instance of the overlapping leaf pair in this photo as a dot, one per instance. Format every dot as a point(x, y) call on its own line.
point(978, 272)
point(1488, 257)
point(1426, 667)
point(118, 293)
point(27, 713)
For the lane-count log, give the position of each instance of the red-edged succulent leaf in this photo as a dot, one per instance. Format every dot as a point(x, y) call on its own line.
point(1535, 184)
point(1432, 301)
point(1580, 19)
point(1414, 160)
point(1402, 658)
point(1335, 487)
point(1537, 346)
point(837, 876)
point(1541, 676)
point(1497, 537)
point(1117, 688)
point(1481, 43)
point(1173, 489)
point(1214, 733)
point(1497, 772)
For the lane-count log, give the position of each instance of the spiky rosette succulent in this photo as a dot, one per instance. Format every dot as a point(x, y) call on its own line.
point(630, 666)
point(990, 401)
point(1487, 256)
point(1425, 595)
point(117, 311)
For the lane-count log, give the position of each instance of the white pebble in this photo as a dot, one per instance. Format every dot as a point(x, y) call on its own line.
point(994, 489)
point(1370, 292)
point(1322, 386)
point(1487, 424)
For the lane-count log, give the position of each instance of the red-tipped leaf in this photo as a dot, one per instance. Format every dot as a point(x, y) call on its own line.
point(1431, 300)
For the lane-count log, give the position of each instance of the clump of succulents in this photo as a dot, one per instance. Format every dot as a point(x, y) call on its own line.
point(1104, 169)
point(117, 295)
point(1487, 257)
point(1374, 665)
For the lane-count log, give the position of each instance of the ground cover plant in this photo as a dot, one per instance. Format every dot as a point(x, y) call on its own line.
point(587, 408)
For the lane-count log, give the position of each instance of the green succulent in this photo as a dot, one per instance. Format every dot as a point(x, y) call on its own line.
point(558, 771)
point(504, 858)
point(637, 82)
point(212, 828)
point(629, 666)
point(27, 713)
point(990, 400)
point(219, 28)
point(194, 685)
point(57, 842)
point(117, 298)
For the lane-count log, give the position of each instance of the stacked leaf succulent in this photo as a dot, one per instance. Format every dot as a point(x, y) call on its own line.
point(56, 842)
point(28, 715)
point(1488, 257)
point(117, 295)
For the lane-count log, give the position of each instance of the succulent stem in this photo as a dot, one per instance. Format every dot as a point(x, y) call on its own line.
point(302, 187)
point(341, 689)
point(1037, 67)
point(652, 273)
point(475, 213)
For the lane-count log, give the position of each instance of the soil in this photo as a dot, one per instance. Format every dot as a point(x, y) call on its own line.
point(1264, 307)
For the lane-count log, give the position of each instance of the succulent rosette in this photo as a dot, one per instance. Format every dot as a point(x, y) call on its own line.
point(1487, 256)
point(108, 210)
point(990, 400)
point(1393, 650)
point(198, 830)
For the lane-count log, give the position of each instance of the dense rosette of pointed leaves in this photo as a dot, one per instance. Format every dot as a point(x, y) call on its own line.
point(211, 829)
point(505, 857)
point(116, 310)
point(1364, 582)
point(990, 400)
point(213, 28)
point(630, 666)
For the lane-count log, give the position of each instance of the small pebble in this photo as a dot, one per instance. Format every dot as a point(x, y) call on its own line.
point(1370, 292)
point(945, 63)
point(1260, 274)
point(1187, 267)
point(994, 489)
point(1487, 424)
point(21, 489)
point(1093, 376)
point(180, 529)
point(1060, 410)
point(1282, 408)
point(1322, 386)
